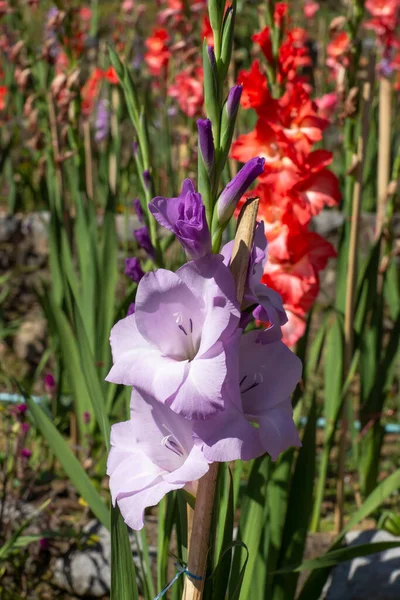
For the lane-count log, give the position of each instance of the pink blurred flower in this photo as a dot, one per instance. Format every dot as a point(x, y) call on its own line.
point(188, 90)
point(25, 427)
point(310, 8)
point(128, 6)
point(327, 105)
point(26, 453)
point(49, 383)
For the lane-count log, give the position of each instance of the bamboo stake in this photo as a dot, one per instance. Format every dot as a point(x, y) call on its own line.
point(198, 549)
point(352, 282)
point(385, 106)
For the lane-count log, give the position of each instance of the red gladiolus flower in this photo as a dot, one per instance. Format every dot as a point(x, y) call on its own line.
point(90, 91)
point(188, 90)
point(255, 90)
point(111, 76)
point(280, 12)
point(3, 96)
point(263, 39)
point(158, 55)
point(207, 32)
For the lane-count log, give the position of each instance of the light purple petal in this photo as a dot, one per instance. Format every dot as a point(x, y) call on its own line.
point(168, 313)
point(132, 507)
point(194, 467)
point(200, 395)
point(229, 436)
point(268, 373)
point(277, 430)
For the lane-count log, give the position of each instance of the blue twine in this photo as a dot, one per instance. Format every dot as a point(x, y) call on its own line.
point(181, 570)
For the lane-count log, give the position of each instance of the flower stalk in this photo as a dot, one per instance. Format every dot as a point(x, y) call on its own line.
point(200, 527)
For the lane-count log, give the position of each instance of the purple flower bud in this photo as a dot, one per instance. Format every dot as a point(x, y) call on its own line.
point(131, 309)
point(86, 417)
point(235, 189)
point(102, 122)
point(44, 543)
point(143, 239)
point(211, 57)
point(233, 101)
point(147, 178)
point(138, 209)
point(206, 142)
point(25, 453)
point(135, 148)
point(186, 217)
point(21, 409)
point(133, 269)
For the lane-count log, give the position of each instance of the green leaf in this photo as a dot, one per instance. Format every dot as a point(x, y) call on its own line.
point(72, 362)
point(69, 462)
point(330, 559)
point(123, 576)
point(252, 519)
point(299, 510)
point(224, 540)
point(95, 387)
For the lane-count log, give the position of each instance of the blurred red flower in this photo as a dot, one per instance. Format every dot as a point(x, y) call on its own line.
point(158, 54)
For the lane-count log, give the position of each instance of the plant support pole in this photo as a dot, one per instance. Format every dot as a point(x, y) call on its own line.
point(352, 282)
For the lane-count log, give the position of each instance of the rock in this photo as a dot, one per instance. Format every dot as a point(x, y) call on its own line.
point(327, 222)
point(372, 577)
point(29, 341)
point(87, 572)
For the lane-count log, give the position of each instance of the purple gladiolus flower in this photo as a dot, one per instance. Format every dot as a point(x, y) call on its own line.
point(131, 309)
point(147, 178)
point(25, 453)
point(133, 269)
point(268, 374)
point(233, 101)
point(102, 122)
point(151, 454)
point(206, 142)
point(235, 189)
point(138, 209)
point(186, 217)
point(143, 239)
point(174, 346)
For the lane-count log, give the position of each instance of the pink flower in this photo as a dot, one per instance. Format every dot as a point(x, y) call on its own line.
point(49, 383)
point(25, 453)
point(151, 454)
point(310, 8)
point(174, 346)
point(188, 90)
point(327, 105)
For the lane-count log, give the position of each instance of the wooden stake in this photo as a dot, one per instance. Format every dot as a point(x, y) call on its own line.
point(351, 284)
point(385, 106)
point(198, 548)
